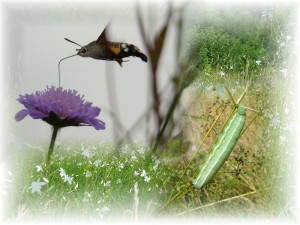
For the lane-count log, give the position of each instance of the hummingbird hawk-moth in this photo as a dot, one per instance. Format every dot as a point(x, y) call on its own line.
point(102, 49)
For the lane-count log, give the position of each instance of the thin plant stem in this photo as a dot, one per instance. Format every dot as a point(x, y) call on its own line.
point(168, 116)
point(51, 147)
point(189, 77)
point(154, 50)
point(222, 201)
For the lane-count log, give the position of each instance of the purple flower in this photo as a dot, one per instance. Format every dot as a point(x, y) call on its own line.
point(60, 108)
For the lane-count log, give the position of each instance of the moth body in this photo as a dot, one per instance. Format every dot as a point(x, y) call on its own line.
point(112, 51)
point(102, 49)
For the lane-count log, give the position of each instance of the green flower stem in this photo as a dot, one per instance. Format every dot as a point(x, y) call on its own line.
point(54, 134)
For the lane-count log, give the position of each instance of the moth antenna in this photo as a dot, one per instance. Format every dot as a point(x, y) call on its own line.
point(72, 42)
point(59, 67)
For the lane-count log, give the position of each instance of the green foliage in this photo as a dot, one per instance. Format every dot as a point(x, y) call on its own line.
point(102, 180)
point(228, 40)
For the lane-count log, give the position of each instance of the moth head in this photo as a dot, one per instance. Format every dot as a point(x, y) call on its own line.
point(83, 52)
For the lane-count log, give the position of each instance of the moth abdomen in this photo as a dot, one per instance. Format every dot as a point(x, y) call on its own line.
point(131, 50)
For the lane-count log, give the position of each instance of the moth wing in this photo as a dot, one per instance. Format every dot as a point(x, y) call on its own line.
point(102, 38)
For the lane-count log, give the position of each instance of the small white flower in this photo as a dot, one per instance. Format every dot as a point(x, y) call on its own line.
point(133, 158)
point(68, 179)
point(231, 68)
point(221, 73)
point(62, 172)
point(275, 121)
point(119, 181)
point(86, 152)
point(288, 127)
point(107, 184)
point(284, 72)
point(38, 168)
point(143, 173)
point(147, 179)
point(65, 177)
point(136, 173)
point(121, 165)
point(288, 37)
point(88, 174)
point(282, 139)
point(97, 162)
point(141, 150)
point(160, 191)
point(124, 148)
point(36, 186)
point(155, 167)
point(258, 62)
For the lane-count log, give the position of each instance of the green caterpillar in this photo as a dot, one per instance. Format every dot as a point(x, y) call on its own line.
point(222, 149)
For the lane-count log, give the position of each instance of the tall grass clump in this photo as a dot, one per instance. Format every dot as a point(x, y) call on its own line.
point(241, 42)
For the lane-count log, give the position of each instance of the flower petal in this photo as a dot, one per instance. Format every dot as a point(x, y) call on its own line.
point(60, 108)
point(21, 114)
point(97, 124)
